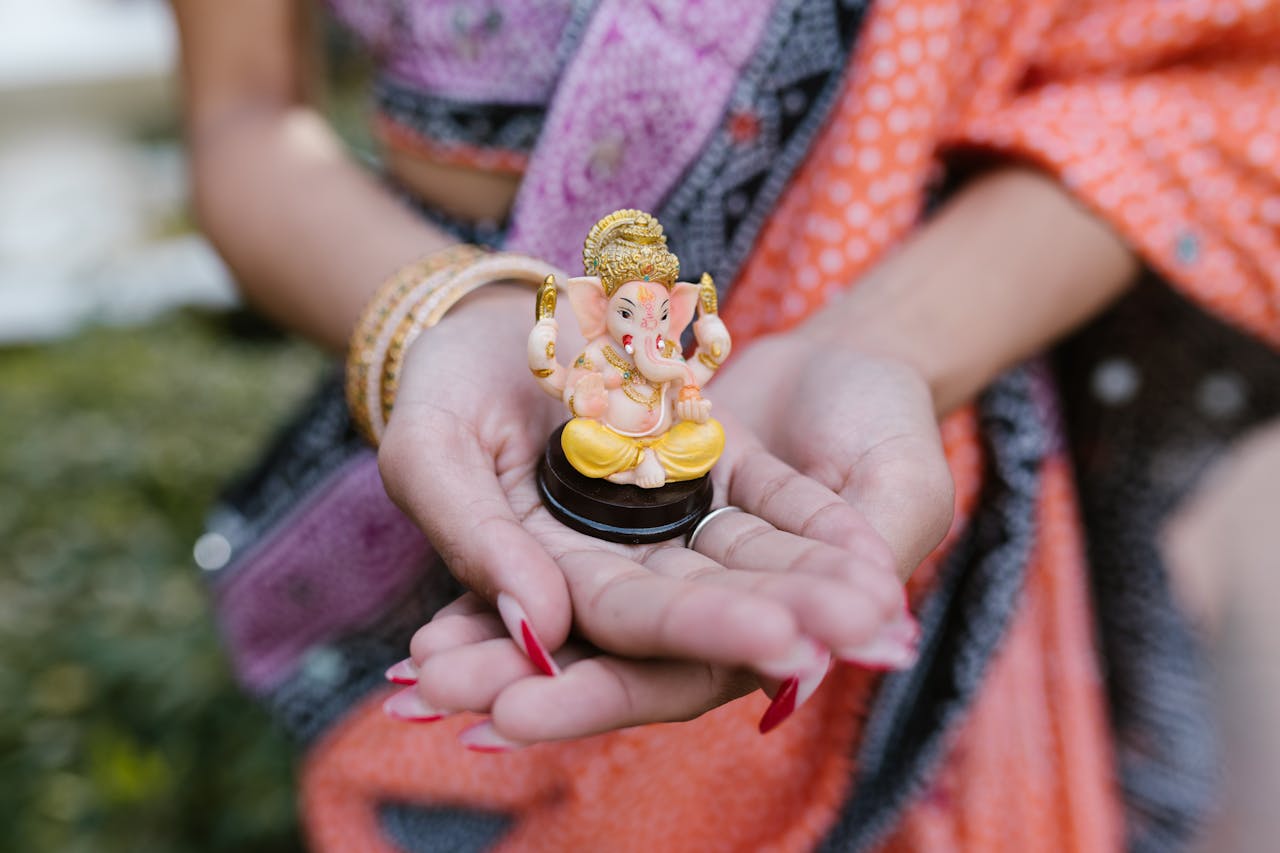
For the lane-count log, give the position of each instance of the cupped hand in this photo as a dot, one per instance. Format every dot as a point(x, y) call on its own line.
point(861, 427)
point(460, 454)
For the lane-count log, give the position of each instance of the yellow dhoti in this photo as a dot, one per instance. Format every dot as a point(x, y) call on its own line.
point(686, 451)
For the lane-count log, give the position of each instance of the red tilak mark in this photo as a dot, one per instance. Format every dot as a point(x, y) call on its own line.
point(490, 750)
point(534, 650)
point(784, 703)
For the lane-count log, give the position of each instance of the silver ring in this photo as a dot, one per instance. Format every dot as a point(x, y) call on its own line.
point(702, 522)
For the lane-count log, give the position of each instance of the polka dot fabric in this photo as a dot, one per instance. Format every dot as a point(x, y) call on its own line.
point(1161, 115)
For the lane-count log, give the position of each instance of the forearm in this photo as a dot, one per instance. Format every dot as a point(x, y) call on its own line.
point(308, 233)
point(1011, 264)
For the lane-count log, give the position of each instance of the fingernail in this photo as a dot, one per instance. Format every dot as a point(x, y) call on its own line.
point(896, 646)
point(408, 706)
point(811, 678)
point(782, 706)
point(483, 737)
point(805, 655)
point(796, 690)
point(521, 630)
point(404, 672)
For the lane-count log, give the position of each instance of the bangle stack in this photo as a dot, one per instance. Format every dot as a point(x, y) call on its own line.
point(414, 299)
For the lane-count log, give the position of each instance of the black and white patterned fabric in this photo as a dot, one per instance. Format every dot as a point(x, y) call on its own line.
point(963, 620)
point(774, 113)
point(1156, 391)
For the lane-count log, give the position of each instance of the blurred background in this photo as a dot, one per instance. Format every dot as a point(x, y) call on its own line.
point(132, 387)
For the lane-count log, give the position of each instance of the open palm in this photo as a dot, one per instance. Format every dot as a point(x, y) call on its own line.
point(460, 456)
point(801, 571)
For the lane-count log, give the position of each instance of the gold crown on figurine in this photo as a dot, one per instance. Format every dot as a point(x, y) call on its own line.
point(628, 245)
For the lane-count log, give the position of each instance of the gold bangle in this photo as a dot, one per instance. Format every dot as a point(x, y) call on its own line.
point(432, 307)
point(710, 362)
point(367, 346)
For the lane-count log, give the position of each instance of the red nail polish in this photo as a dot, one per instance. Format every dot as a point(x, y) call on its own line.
point(520, 629)
point(404, 672)
point(409, 707)
point(782, 706)
point(482, 737)
point(536, 652)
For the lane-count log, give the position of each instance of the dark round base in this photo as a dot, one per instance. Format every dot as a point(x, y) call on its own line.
point(627, 514)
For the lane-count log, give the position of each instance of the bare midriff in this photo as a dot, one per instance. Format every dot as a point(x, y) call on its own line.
point(469, 194)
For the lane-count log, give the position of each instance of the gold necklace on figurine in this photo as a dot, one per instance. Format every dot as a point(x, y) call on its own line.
point(629, 373)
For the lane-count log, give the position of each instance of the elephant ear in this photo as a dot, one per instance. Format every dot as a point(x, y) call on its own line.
point(586, 295)
point(684, 301)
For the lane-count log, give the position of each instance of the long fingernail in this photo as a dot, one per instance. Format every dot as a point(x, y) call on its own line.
point(782, 706)
point(796, 690)
point(896, 646)
point(521, 630)
point(812, 677)
point(483, 737)
point(404, 672)
point(805, 655)
point(408, 706)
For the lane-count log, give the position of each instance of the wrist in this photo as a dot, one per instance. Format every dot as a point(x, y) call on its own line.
point(886, 317)
point(415, 300)
point(1007, 267)
point(497, 299)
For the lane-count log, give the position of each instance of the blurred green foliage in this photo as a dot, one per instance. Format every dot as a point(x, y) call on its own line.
point(120, 726)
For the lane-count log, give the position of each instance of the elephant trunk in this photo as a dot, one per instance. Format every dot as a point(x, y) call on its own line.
point(657, 368)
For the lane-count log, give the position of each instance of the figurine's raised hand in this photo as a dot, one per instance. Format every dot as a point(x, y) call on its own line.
point(712, 336)
point(542, 346)
point(459, 457)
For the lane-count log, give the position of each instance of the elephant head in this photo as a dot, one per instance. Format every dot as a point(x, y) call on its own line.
point(640, 316)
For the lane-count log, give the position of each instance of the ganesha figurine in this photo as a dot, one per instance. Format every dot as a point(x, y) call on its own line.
point(631, 464)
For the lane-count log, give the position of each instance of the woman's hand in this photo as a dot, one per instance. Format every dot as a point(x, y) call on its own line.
point(862, 426)
point(459, 456)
